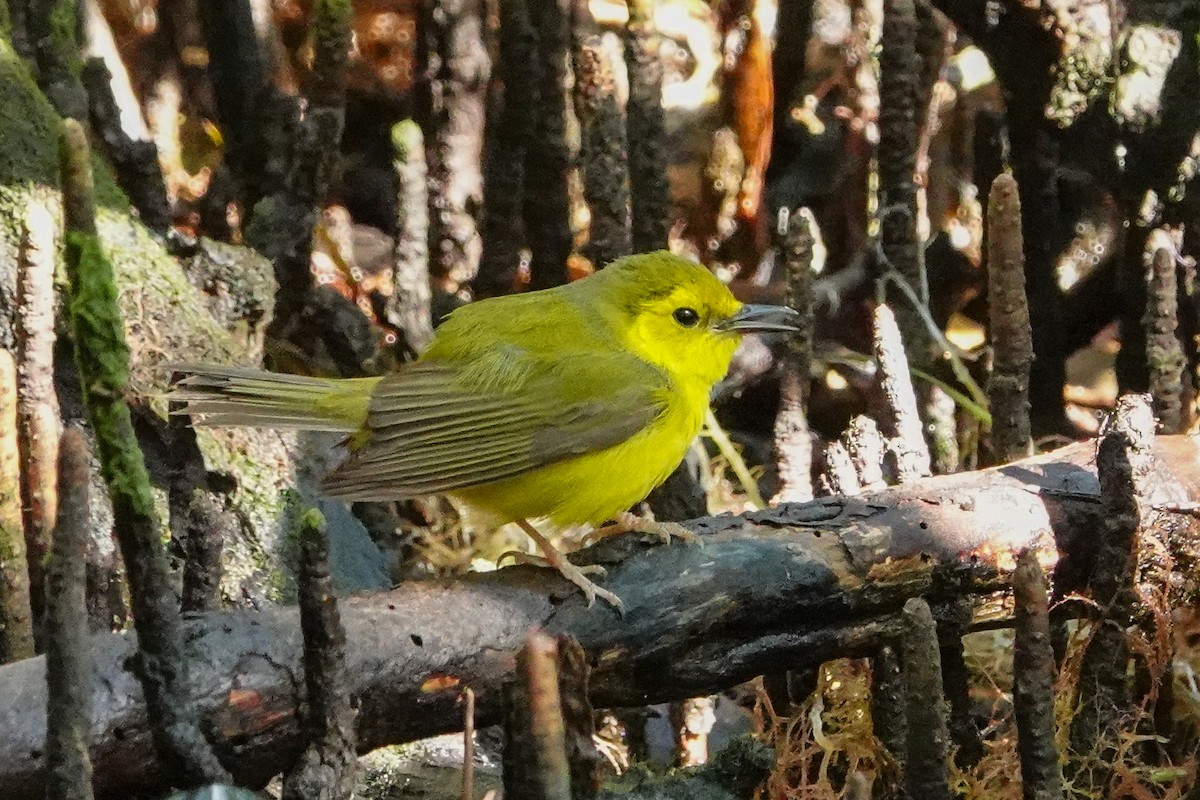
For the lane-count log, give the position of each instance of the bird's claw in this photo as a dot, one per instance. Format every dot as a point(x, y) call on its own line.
point(627, 522)
point(575, 574)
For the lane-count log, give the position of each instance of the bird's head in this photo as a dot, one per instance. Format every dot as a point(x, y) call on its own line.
point(676, 314)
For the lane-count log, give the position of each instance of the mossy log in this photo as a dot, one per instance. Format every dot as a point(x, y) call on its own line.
point(211, 309)
point(771, 590)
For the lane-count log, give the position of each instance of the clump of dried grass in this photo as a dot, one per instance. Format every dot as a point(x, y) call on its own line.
point(827, 749)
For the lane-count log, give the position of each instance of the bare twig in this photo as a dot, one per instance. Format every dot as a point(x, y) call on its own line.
point(1033, 683)
point(908, 440)
point(16, 614)
point(603, 155)
point(328, 765)
point(102, 358)
point(793, 442)
point(68, 665)
point(647, 129)
point(1012, 339)
point(1164, 353)
point(925, 773)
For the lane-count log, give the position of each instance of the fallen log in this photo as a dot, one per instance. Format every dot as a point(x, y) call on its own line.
point(768, 591)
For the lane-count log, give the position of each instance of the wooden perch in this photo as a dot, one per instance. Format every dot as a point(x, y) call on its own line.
point(771, 590)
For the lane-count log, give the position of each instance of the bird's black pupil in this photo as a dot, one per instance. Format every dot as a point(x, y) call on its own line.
point(687, 317)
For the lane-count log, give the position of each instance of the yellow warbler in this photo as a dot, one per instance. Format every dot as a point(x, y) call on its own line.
point(568, 404)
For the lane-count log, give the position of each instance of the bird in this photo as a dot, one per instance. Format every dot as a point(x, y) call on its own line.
point(563, 406)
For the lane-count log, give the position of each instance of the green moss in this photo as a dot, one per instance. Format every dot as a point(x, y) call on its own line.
point(29, 127)
point(64, 23)
point(103, 360)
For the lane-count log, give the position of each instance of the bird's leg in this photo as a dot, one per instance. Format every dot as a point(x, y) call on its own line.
point(627, 522)
point(576, 575)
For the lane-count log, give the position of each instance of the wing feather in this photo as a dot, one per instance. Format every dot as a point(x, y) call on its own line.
point(433, 430)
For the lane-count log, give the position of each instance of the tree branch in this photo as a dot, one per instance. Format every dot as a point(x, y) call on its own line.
point(772, 590)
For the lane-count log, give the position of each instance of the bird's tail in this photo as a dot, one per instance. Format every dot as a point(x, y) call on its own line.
point(214, 395)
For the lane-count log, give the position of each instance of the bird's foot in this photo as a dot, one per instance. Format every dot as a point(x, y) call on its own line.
point(575, 574)
point(627, 522)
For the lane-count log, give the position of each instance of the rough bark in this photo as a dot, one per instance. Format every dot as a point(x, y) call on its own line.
point(509, 139)
point(458, 67)
point(793, 442)
point(1164, 353)
point(548, 159)
point(925, 774)
point(134, 161)
point(646, 126)
point(1124, 462)
point(770, 591)
point(603, 155)
point(899, 122)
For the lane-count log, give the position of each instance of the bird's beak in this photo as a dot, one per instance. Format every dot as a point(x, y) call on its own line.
point(754, 318)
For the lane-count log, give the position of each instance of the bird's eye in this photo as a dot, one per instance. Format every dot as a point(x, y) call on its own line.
point(687, 317)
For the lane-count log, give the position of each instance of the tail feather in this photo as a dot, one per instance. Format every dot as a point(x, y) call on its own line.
point(215, 395)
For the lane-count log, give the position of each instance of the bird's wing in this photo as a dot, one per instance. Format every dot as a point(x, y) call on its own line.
point(431, 432)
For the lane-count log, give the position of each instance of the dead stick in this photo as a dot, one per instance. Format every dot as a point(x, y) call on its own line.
point(1011, 337)
point(866, 447)
point(887, 701)
point(646, 125)
point(793, 442)
point(1123, 460)
point(548, 158)
point(68, 665)
point(908, 442)
point(328, 766)
point(1164, 353)
point(505, 153)
point(37, 399)
point(408, 307)
point(468, 772)
point(1033, 683)
point(582, 756)
point(102, 357)
point(899, 78)
point(603, 155)
point(927, 739)
point(16, 613)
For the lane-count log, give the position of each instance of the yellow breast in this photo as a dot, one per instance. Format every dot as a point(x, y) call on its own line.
point(592, 488)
